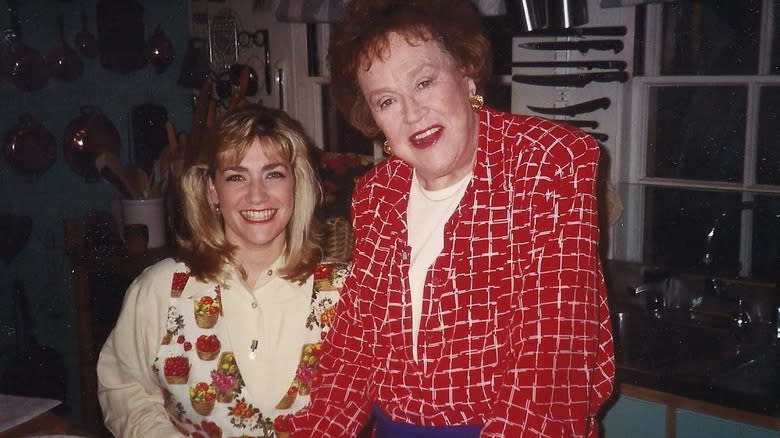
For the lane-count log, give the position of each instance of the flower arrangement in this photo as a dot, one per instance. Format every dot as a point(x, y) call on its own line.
point(338, 173)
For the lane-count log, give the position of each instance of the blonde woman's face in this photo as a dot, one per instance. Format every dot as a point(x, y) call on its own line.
point(256, 198)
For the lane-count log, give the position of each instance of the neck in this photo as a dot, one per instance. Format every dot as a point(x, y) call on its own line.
point(258, 261)
point(442, 182)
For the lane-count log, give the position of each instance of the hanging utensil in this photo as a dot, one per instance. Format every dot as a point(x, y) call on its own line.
point(85, 138)
point(29, 147)
point(195, 65)
point(25, 67)
point(65, 62)
point(85, 41)
point(231, 81)
point(160, 51)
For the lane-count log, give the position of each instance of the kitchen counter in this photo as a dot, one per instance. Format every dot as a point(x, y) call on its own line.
point(721, 368)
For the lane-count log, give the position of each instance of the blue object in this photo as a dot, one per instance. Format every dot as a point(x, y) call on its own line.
point(387, 428)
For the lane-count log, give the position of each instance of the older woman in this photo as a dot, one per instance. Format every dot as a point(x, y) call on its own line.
point(224, 338)
point(476, 304)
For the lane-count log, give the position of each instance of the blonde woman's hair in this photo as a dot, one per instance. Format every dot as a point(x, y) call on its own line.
point(201, 238)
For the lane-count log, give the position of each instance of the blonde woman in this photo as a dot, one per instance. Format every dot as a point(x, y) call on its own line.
point(225, 337)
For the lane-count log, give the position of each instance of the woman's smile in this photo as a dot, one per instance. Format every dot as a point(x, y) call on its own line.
point(265, 215)
point(427, 138)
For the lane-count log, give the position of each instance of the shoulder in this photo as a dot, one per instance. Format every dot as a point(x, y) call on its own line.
point(161, 277)
point(536, 142)
point(389, 175)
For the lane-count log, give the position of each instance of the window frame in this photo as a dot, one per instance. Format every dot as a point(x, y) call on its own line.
point(634, 162)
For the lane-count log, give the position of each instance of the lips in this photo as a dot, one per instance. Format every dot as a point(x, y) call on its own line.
point(258, 215)
point(426, 138)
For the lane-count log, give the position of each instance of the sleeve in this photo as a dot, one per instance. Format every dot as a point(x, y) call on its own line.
point(559, 369)
point(131, 400)
point(338, 406)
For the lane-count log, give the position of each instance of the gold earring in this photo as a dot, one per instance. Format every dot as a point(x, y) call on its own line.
point(476, 101)
point(386, 147)
point(217, 210)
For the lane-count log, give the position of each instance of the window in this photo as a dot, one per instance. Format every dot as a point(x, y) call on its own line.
point(704, 166)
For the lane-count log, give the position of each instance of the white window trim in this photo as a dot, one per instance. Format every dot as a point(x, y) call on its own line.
point(633, 163)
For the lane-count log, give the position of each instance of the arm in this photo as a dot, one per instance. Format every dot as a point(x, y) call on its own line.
point(339, 405)
point(131, 400)
point(559, 368)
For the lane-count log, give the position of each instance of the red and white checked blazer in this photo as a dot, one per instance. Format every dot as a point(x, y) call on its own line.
point(515, 330)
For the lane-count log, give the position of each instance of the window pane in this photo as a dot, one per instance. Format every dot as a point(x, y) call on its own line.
point(697, 133)
point(693, 230)
point(768, 165)
point(766, 239)
point(711, 37)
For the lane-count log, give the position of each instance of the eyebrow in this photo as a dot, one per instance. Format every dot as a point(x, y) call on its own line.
point(411, 74)
point(239, 168)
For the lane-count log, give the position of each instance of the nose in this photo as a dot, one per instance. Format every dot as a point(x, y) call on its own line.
point(257, 190)
point(414, 109)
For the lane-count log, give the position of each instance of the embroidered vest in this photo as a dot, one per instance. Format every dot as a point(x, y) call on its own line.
point(205, 395)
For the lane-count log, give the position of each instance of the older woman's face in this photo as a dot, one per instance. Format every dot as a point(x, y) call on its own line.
point(257, 200)
point(420, 100)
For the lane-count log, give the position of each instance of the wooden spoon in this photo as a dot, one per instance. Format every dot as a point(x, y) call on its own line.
point(112, 170)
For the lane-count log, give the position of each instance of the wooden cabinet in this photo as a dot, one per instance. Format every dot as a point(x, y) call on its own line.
point(100, 274)
point(634, 417)
point(690, 423)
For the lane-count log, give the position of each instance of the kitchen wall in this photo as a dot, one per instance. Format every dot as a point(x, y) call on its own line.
point(59, 192)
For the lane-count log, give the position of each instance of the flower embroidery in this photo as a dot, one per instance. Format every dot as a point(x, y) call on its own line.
point(174, 322)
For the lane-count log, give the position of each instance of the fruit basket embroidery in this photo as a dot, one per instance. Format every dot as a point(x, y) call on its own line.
point(207, 347)
point(176, 370)
point(207, 310)
point(203, 396)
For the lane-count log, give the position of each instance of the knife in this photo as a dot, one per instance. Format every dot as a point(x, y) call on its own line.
point(600, 136)
point(571, 80)
point(583, 46)
point(610, 64)
point(573, 110)
point(266, 61)
point(592, 124)
point(579, 31)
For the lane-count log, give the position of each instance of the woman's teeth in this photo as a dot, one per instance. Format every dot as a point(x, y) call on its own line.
point(258, 215)
point(421, 136)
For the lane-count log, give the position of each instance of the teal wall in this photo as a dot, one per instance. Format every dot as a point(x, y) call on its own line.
point(59, 192)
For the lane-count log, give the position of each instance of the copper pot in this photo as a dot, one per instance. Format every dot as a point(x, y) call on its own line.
point(64, 61)
point(29, 147)
point(23, 65)
point(86, 137)
point(160, 51)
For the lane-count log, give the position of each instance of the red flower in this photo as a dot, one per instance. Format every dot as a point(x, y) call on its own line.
point(322, 272)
